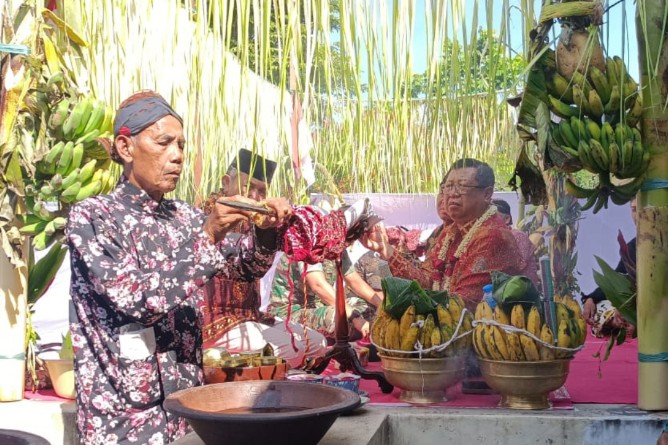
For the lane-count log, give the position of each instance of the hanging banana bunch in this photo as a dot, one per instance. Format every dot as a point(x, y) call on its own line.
point(594, 107)
point(56, 130)
point(599, 115)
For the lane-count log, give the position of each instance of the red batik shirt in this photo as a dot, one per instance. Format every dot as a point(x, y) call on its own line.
point(491, 248)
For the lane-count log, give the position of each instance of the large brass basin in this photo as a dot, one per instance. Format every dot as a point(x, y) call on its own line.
point(422, 380)
point(525, 385)
point(261, 411)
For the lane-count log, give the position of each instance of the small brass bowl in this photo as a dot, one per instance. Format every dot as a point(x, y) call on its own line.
point(422, 380)
point(525, 385)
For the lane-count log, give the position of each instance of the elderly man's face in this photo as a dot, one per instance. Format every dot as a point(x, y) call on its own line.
point(153, 159)
point(238, 184)
point(441, 209)
point(465, 200)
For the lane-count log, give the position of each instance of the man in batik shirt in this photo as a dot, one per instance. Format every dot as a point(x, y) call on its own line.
point(138, 261)
point(231, 308)
point(524, 244)
point(465, 252)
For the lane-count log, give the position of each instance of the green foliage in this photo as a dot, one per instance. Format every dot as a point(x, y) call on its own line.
point(489, 68)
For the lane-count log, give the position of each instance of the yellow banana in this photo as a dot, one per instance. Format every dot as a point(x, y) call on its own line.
point(444, 316)
point(563, 313)
point(478, 343)
point(563, 338)
point(408, 340)
point(392, 336)
point(533, 321)
point(455, 310)
point(435, 341)
point(517, 316)
point(425, 332)
point(596, 106)
point(501, 343)
point(572, 305)
point(546, 336)
point(529, 348)
point(501, 316)
point(407, 319)
point(486, 311)
point(515, 347)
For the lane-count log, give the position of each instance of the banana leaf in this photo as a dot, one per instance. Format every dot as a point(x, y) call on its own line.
point(619, 289)
point(401, 293)
point(66, 350)
point(509, 290)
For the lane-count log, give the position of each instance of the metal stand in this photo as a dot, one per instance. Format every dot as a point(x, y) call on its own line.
point(342, 352)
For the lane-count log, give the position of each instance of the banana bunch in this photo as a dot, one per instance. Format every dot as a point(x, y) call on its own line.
point(603, 149)
point(83, 121)
point(611, 97)
point(431, 330)
point(494, 343)
point(599, 114)
point(70, 163)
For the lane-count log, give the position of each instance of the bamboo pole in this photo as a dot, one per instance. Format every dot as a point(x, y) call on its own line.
point(652, 253)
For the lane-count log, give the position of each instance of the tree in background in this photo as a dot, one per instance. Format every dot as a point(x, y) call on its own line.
point(489, 68)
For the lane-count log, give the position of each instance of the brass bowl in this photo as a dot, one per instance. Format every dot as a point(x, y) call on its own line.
point(525, 385)
point(422, 380)
point(261, 412)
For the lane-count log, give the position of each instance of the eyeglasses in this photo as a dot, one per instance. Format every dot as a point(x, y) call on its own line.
point(460, 189)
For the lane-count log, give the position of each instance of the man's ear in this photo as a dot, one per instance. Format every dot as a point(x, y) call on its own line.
point(125, 148)
point(225, 183)
point(488, 192)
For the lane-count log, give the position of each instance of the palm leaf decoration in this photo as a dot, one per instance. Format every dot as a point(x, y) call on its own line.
point(619, 288)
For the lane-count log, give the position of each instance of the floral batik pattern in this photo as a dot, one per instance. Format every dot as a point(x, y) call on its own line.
point(137, 262)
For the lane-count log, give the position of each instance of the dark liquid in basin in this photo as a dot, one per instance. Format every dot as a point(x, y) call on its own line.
point(250, 410)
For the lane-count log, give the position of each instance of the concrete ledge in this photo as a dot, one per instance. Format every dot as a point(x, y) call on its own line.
point(372, 425)
point(54, 421)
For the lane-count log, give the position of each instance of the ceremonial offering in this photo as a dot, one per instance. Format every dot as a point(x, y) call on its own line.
point(261, 412)
point(512, 334)
point(416, 323)
point(220, 366)
point(520, 355)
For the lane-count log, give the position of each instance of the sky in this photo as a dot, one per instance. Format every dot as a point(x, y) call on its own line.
point(618, 31)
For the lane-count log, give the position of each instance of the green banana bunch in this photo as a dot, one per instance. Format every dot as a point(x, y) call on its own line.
point(76, 122)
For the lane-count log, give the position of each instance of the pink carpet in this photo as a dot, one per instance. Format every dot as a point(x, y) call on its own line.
point(590, 381)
